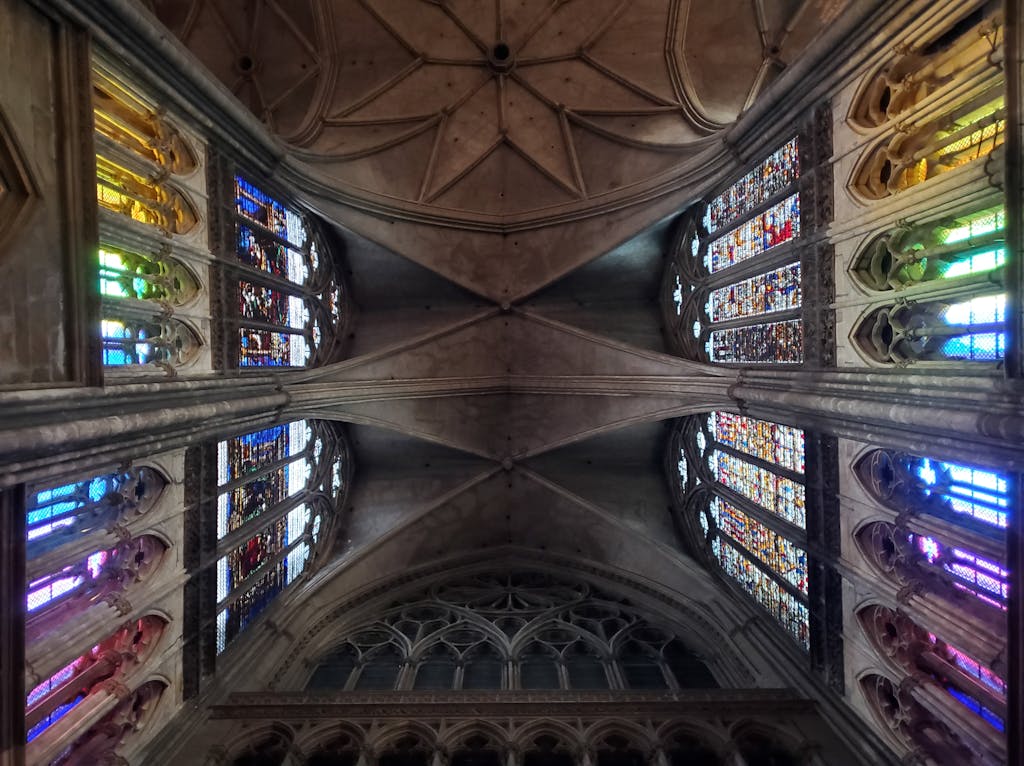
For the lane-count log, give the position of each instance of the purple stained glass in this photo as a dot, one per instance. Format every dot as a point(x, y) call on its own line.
point(971, 573)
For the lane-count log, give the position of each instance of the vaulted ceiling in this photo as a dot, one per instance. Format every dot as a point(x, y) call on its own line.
point(503, 175)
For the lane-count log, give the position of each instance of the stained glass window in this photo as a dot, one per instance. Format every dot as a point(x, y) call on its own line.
point(983, 320)
point(51, 588)
point(769, 547)
point(975, 492)
point(129, 341)
point(46, 688)
point(966, 695)
point(273, 494)
point(54, 508)
point(778, 494)
point(773, 176)
point(772, 442)
point(905, 257)
point(921, 152)
point(776, 226)
point(773, 343)
point(270, 462)
point(791, 613)
point(776, 290)
point(720, 318)
point(751, 474)
point(971, 573)
point(282, 322)
point(125, 274)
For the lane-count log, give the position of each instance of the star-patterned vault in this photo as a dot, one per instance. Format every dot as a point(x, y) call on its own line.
point(497, 107)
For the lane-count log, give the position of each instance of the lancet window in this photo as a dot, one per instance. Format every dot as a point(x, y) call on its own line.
point(287, 293)
point(511, 633)
point(152, 299)
point(82, 552)
point(968, 682)
point(944, 546)
point(922, 70)
point(116, 657)
point(742, 480)
point(947, 537)
point(949, 277)
point(899, 710)
point(277, 494)
point(735, 277)
point(942, 104)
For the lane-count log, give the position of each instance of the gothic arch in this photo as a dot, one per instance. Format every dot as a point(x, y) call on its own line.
point(332, 628)
point(920, 69)
point(564, 735)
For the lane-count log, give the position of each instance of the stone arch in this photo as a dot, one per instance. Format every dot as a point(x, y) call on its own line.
point(338, 619)
point(263, 746)
point(697, 742)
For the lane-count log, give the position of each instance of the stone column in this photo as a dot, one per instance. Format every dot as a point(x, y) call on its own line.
point(921, 414)
point(85, 715)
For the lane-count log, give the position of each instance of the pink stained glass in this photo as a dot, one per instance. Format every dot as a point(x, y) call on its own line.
point(970, 666)
point(42, 592)
point(53, 682)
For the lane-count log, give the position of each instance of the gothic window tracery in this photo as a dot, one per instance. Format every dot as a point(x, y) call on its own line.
point(899, 711)
point(948, 280)
point(913, 649)
point(287, 297)
point(61, 513)
point(277, 494)
point(115, 657)
point(927, 150)
point(742, 480)
point(734, 278)
point(555, 637)
point(126, 721)
point(918, 71)
point(151, 298)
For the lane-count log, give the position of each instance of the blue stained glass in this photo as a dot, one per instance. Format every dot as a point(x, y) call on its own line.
point(972, 491)
point(52, 718)
point(976, 707)
point(52, 508)
point(982, 318)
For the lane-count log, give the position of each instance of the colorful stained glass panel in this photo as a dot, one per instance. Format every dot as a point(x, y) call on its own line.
point(56, 507)
point(781, 496)
point(772, 442)
point(972, 491)
point(269, 305)
point(791, 613)
point(776, 226)
point(258, 206)
point(777, 290)
point(984, 579)
point(263, 348)
point(770, 343)
point(771, 177)
point(785, 558)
